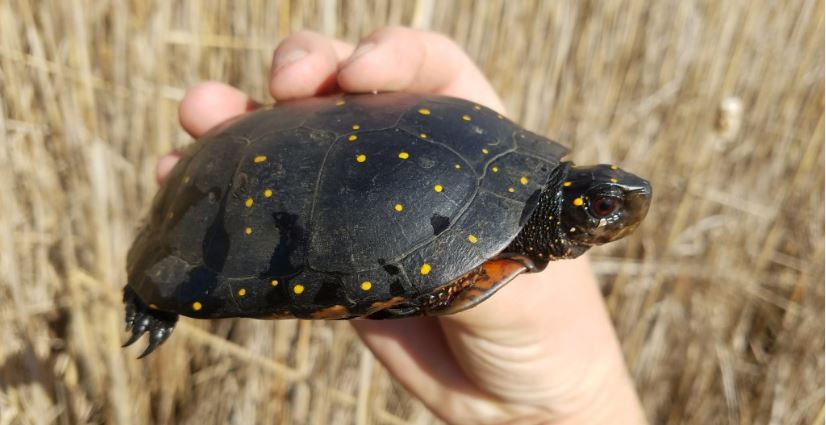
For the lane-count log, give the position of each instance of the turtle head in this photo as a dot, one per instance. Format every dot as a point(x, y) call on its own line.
point(599, 204)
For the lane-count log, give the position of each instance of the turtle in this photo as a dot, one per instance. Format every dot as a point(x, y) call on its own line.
point(375, 206)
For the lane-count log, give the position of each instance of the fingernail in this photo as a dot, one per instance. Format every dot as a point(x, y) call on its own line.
point(285, 59)
point(360, 51)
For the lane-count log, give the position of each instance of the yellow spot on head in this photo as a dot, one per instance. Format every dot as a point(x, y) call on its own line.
point(472, 239)
point(399, 207)
point(274, 282)
point(356, 127)
point(573, 229)
point(613, 167)
point(404, 155)
point(578, 202)
point(438, 188)
point(485, 151)
point(242, 292)
point(340, 102)
point(523, 180)
point(196, 306)
point(353, 138)
point(248, 203)
point(260, 158)
point(366, 285)
point(248, 230)
point(567, 184)
point(298, 289)
point(361, 157)
point(511, 190)
point(424, 111)
point(457, 166)
point(425, 269)
point(495, 169)
point(267, 193)
point(613, 180)
point(466, 117)
point(423, 135)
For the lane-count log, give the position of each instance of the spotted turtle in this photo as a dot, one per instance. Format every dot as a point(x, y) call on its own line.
point(378, 205)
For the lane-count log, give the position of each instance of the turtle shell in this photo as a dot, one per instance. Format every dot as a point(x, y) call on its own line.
point(338, 205)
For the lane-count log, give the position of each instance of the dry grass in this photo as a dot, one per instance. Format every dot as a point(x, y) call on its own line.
point(718, 299)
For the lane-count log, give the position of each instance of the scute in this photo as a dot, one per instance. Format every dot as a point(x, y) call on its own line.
point(337, 207)
point(355, 219)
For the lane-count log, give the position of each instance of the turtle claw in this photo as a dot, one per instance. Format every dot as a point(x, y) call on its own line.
point(140, 319)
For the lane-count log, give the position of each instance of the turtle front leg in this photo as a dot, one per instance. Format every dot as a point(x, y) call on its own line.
point(141, 319)
point(473, 288)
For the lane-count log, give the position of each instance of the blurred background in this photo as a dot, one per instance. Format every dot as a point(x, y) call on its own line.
point(717, 298)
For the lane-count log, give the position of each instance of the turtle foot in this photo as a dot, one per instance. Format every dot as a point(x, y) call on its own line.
point(141, 319)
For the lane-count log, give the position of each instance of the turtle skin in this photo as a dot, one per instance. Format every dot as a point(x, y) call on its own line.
point(337, 208)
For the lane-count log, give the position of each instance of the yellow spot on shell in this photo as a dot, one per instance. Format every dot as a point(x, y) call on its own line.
point(340, 102)
point(248, 203)
point(399, 208)
point(438, 188)
point(298, 289)
point(466, 117)
point(424, 111)
point(523, 180)
point(457, 166)
point(153, 306)
point(613, 167)
point(248, 230)
point(472, 239)
point(353, 138)
point(196, 306)
point(361, 157)
point(477, 107)
point(613, 180)
point(366, 285)
point(404, 155)
point(423, 135)
point(511, 190)
point(500, 116)
point(242, 292)
point(356, 127)
point(186, 179)
point(485, 151)
point(274, 282)
point(267, 193)
point(573, 229)
point(425, 269)
point(567, 184)
point(260, 158)
point(495, 169)
point(578, 202)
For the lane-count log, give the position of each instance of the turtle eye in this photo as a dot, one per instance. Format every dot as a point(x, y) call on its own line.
point(604, 206)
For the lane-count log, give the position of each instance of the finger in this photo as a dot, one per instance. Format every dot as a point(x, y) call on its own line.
point(165, 164)
point(403, 59)
point(305, 64)
point(210, 103)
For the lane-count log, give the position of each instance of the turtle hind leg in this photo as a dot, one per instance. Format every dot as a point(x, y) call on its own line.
point(141, 319)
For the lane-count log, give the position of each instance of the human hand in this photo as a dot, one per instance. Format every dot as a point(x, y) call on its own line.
point(542, 350)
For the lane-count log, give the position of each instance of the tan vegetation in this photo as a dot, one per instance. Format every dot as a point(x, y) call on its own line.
point(718, 298)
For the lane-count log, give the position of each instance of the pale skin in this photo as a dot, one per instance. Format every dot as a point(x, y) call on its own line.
point(542, 350)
